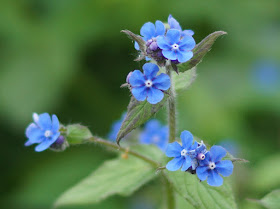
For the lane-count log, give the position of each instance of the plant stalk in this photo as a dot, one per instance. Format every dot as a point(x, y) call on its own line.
point(171, 107)
point(123, 149)
point(170, 195)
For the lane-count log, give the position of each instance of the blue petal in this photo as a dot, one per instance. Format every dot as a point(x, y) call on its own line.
point(173, 36)
point(173, 150)
point(152, 125)
point(46, 143)
point(162, 82)
point(45, 121)
point(187, 43)
point(136, 46)
point(148, 30)
point(224, 167)
point(169, 54)
point(217, 153)
point(173, 23)
point(187, 163)
point(187, 139)
point(202, 172)
point(154, 95)
point(184, 56)
point(34, 134)
point(175, 164)
point(162, 43)
point(55, 123)
point(194, 146)
point(214, 179)
point(140, 93)
point(187, 33)
point(136, 78)
point(150, 70)
point(160, 29)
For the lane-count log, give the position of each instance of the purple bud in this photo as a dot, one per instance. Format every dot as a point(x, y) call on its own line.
point(200, 156)
point(60, 140)
point(148, 43)
point(128, 76)
point(153, 46)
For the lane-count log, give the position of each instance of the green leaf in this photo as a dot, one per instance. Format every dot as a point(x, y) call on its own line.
point(137, 114)
point(271, 200)
point(183, 80)
point(77, 134)
point(118, 176)
point(200, 51)
point(200, 194)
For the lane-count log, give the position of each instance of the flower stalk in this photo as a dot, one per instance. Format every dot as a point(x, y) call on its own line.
point(123, 149)
point(171, 107)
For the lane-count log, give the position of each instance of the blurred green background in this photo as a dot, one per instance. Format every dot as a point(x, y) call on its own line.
point(68, 57)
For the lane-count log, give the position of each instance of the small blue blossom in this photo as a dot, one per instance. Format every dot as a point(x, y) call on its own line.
point(176, 47)
point(112, 136)
point(155, 133)
point(213, 165)
point(150, 30)
point(148, 85)
point(185, 155)
point(44, 131)
point(174, 24)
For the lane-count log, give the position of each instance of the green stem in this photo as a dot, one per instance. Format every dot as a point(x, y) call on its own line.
point(170, 197)
point(171, 108)
point(122, 149)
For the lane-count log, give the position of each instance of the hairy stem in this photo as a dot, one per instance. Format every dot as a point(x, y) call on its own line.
point(171, 108)
point(170, 197)
point(123, 149)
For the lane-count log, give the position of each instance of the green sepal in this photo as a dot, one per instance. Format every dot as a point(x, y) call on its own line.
point(77, 134)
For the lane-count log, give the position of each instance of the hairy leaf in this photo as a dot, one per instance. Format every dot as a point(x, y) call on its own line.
point(200, 194)
point(137, 38)
point(118, 176)
point(183, 80)
point(137, 114)
point(200, 51)
point(271, 200)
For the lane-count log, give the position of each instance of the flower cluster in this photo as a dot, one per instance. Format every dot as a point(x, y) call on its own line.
point(195, 157)
point(167, 43)
point(44, 131)
point(149, 85)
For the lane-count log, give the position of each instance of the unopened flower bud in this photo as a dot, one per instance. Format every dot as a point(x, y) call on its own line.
point(153, 46)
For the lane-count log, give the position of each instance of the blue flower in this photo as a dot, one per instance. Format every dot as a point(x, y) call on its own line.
point(185, 155)
point(148, 85)
point(174, 24)
point(154, 133)
point(176, 47)
point(115, 128)
point(149, 31)
point(44, 131)
point(213, 165)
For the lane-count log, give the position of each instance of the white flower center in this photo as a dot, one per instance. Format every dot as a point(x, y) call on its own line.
point(212, 165)
point(148, 83)
point(183, 152)
point(48, 133)
point(175, 46)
